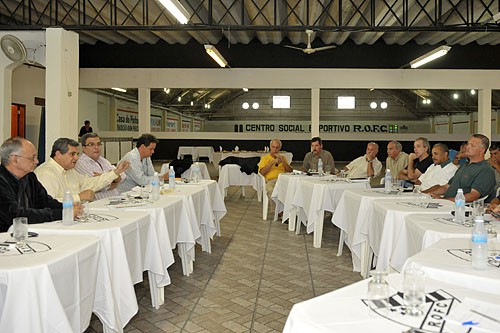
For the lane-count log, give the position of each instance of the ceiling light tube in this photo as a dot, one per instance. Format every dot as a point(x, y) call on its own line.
point(428, 57)
point(119, 89)
point(177, 10)
point(214, 53)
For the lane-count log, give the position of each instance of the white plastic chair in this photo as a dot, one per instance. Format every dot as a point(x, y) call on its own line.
point(265, 198)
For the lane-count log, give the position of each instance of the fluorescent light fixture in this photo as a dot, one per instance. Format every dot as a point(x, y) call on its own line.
point(214, 53)
point(177, 10)
point(281, 102)
point(245, 89)
point(428, 57)
point(192, 103)
point(346, 102)
point(119, 89)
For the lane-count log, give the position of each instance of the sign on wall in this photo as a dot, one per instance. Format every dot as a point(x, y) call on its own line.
point(171, 124)
point(196, 126)
point(155, 123)
point(127, 120)
point(186, 125)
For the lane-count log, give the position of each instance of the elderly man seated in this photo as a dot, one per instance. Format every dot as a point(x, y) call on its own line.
point(397, 159)
point(272, 164)
point(439, 173)
point(367, 165)
point(476, 179)
point(21, 194)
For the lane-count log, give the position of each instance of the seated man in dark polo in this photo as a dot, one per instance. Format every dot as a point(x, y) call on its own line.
point(418, 161)
point(317, 152)
point(21, 194)
point(476, 179)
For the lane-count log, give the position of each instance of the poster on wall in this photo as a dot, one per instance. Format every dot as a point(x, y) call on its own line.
point(127, 120)
point(186, 125)
point(196, 126)
point(171, 124)
point(155, 123)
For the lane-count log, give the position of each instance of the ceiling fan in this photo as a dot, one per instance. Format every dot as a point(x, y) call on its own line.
point(309, 49)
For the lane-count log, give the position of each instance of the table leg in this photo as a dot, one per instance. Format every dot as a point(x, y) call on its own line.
point(365, 259)
point(318, 230)
point(205, 239)
point(187, 263)
point(341, 243)
point(292, 219)
point(157, 294)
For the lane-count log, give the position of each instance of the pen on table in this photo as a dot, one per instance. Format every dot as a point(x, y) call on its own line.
point(470, 323)
point(485, 316)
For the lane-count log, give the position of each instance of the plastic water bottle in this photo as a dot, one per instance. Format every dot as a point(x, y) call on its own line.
point(171, 178)
point(460, 207)
point(155, 187)
point(479, 245)
point(195, 172)
point(388, 181)
point(320, 167)
point(67, 214)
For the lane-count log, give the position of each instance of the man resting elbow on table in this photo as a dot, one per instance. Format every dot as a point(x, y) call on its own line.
point(476, 178)
point(365, 166)
point(439, 173)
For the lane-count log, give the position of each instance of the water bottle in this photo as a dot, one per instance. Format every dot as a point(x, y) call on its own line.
point(460, 207)
point(171, 178)
point(479, 244)
point(67, 214)
point(195, 172)
point(155, 187)
point(320, 167)
point(388, 181)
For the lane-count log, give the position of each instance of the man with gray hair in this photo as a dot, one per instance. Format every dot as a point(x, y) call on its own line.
point(418, 161)
point(57, 174)
point(397, 159)
point(439, 173)
point(91, 163)
point(272, 164)
point(367, 165)
point(21, 194)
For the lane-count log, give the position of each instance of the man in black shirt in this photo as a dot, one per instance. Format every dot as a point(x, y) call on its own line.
point(21, 194)
point(418, 161)
point(85, 129)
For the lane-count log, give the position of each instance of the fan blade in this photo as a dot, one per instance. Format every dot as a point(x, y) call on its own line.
point(294, 47)
point(322, 48)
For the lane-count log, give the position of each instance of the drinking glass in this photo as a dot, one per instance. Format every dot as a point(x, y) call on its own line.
point(20, 231)
point(378, 292)
point(327, 169)
point(416, 189)
point(414, 291)
point(401, 185)
point(395, 183)
point(84, 213)
point(478, 208)
point(343, 174)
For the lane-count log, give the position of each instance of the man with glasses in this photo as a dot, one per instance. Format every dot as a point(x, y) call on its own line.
point(58, 173)
point(141, 169)
point(91, 163)
point(21, 194)
point(476, 178)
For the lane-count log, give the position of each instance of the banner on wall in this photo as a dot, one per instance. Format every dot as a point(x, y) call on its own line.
point(186, 125)
point(155, 123)
point(171, 124)
point(127, 120)
point(196, 126)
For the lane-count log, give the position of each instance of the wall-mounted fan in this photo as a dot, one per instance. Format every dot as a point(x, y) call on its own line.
point(13, 48)
point(309, 49)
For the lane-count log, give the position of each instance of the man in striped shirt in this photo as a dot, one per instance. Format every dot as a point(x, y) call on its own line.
point(91, 163)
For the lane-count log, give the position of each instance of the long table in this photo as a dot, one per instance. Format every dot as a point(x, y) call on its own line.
point(219, 156)
point(52, 287)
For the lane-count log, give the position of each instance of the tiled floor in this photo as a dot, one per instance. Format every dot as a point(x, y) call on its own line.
point(256, 272)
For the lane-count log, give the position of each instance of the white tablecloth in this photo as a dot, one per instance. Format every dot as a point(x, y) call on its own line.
point(196, 152)
point(351, 216)
point(422, 231)
point(129, 244)
point(187, 150)
point(187, 174)
point(386, 224)
point(219, 156)
point(230, 175)
point(205, 152)
point(344, 310)
point(450, 260)
point(51, 291)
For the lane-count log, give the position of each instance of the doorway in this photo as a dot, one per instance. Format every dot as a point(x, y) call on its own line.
point(18, 120)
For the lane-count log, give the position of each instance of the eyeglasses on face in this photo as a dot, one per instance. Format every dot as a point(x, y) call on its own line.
point(92, 144)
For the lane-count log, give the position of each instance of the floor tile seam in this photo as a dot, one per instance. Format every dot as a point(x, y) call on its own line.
point(309, 265)
point(183, 328)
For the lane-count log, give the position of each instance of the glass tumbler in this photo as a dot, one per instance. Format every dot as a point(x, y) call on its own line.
point(378, 292)
point(20, 230)
point(414, 291)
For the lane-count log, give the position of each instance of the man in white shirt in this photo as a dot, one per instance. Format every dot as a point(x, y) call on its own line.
point(367, 165)
point(91, 163)
point(58, 173)
point(439, 173)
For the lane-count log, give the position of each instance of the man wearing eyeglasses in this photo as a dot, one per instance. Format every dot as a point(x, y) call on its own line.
point(58, 173)
point(21, 194)
point(91, 163)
